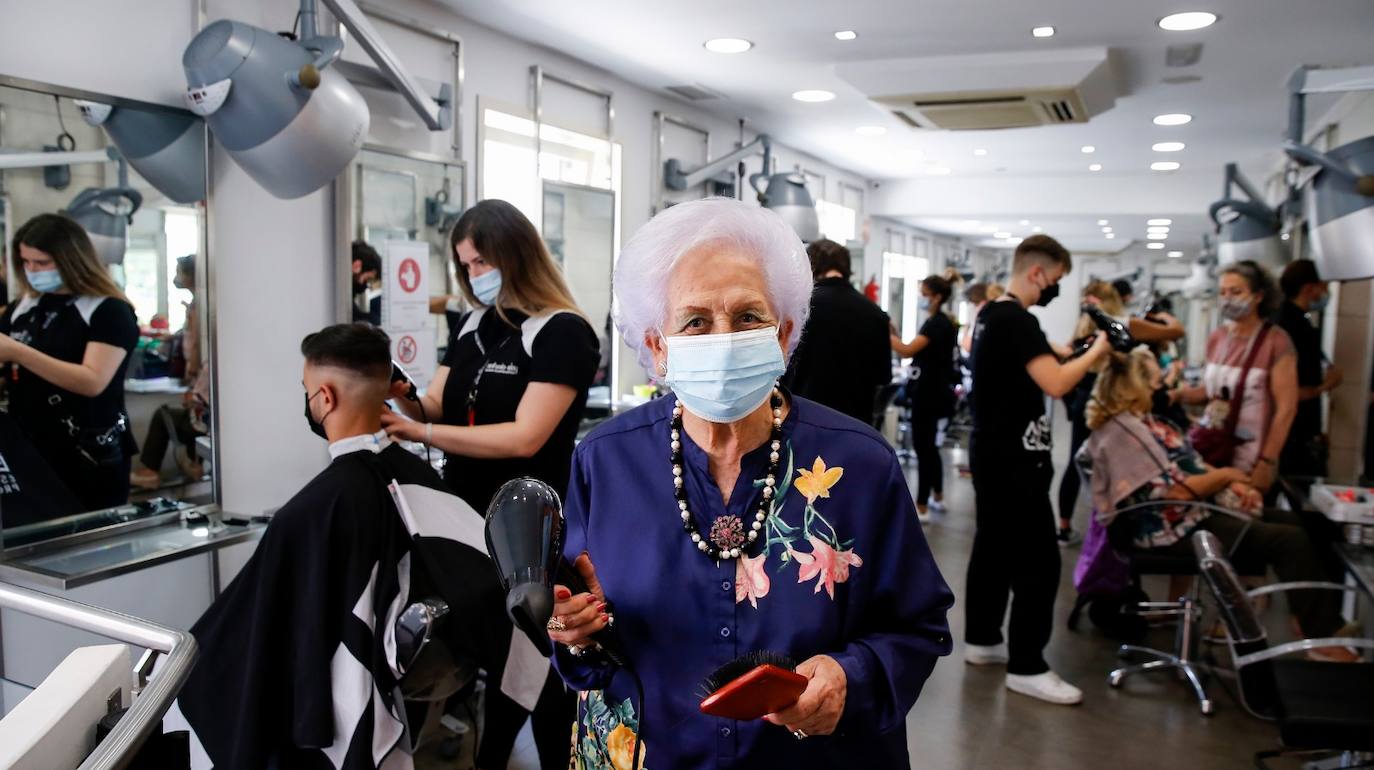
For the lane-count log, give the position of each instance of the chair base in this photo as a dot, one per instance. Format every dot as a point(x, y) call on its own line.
point(1162, 661)
point(1331, 759)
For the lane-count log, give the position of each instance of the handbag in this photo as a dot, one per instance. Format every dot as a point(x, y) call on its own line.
point(1217, 446)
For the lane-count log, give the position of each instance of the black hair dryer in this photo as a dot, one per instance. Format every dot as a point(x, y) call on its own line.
point(525, 540)
point(1117, 333)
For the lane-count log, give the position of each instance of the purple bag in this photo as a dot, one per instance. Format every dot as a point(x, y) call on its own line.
point(1100, 570)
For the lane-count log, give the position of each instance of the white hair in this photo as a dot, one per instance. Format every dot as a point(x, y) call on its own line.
point(647, 262)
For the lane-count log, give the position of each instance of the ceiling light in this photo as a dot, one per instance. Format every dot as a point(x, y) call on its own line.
point(1283, 237)
point(1175, 254)
point(1037, 229)
point(1102, 222)
point(1095, 167)
point(1109, 236)
point(846, 34)
point(1157, 229)
point(1173, 119)
point(1043, 31)
point(1154, 245)
point(1157, 237)
point(870, 130)
point(1025, 222)
point(1106, 228)
point(1158, 222)
point(1088, 148)
point(938, 170)
point(1165, 165)
point(988, 229)
point(1187, 21)
point(980, 152)
point(728, 45)
point(1167, 146)
point(1001, 235)
point(813, 96)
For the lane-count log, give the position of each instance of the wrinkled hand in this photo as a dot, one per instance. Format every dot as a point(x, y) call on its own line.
point(1235, 476)
point(1251, 498)
point(400, 427)
point(582, 614)
point(820, 707)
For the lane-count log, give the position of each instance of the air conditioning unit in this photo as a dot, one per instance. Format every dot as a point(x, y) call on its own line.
point(990, 91)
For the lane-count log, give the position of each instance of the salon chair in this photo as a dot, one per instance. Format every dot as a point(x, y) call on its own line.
point(882, 400)
point(433, 673)
point(1320, 708)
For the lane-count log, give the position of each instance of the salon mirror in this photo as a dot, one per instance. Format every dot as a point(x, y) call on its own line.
point(133, 175)
point(579, 230)
point(402, 205)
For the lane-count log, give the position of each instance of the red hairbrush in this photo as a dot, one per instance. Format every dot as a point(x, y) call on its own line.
point(752, 686)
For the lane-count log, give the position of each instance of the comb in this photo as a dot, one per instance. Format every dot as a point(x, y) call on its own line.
point(752, 686)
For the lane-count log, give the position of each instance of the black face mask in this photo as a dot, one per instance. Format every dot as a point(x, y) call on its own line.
point(316, 426)
point(1048, 294)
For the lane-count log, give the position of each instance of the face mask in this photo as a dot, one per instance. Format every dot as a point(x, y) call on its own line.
point(1048, 294)
point(44, 281)
point(1319, 304)
point(486, 286)
point(1164, 360)
point(723, 377)
point(1234, 309)
point(923, 304)
point(316, 426)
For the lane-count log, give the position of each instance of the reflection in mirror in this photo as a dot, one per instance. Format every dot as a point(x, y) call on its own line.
point(579, 230)
point(105, 395)
point(402, 196)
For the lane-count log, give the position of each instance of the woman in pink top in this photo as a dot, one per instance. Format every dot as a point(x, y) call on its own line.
point(1247, 297)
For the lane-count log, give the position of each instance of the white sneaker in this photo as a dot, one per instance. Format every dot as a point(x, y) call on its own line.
point(937, 505)
point(923, 517)
point(1047, 687)
point(985, 654)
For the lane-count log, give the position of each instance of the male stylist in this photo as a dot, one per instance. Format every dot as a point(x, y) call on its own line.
point(1014, 549)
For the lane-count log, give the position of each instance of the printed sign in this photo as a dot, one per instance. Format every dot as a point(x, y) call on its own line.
point(417, 353)
point(406, 349)
point(405, 300)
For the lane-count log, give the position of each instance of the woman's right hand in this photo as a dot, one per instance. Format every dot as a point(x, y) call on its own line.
point(582, 614)
point(1234, 476)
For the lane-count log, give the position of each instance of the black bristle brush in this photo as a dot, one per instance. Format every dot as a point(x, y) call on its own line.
point(752, 686)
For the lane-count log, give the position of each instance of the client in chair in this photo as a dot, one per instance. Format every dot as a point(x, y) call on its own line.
point(297, 666)
point(1137, 458)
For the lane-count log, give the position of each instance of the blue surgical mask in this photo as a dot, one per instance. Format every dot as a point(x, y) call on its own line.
point(486, 286)
point(44, 280)
point(1319, 304)
point(923, 304)
point(724, 377)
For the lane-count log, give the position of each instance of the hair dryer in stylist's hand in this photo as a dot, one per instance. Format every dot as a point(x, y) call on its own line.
point(525, 540)
point(1117, 334)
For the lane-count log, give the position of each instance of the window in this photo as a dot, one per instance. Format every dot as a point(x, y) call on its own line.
point(838, 223)
point(509, 171)
point(156, 238)
point(901, 274)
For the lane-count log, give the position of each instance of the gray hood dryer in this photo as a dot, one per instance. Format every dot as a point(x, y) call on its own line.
point(1246, 228)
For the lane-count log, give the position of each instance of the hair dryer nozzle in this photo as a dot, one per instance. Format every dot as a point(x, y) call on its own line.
point(530, 605)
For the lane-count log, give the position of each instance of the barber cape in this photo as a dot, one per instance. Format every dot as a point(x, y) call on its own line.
point(297, 666)
point(1125, 456)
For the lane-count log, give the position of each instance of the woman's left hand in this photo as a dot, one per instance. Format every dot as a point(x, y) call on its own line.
point(399, 427)
point(9, 348)
point(1262, 476)
point(819, 708)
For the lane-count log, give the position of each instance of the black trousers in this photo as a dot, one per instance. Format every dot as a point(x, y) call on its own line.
point(168, 421)
point(1015, 557)
point(930, 469)
point(552, 721)
point(1068, 486)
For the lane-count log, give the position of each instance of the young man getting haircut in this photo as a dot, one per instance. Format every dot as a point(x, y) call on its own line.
point(1015, 548)
point(297, 665)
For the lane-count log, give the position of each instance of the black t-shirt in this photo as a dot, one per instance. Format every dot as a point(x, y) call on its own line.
point(558, 348)
point(844, 355)
point(60, 325)
point(932, 369)
point(1010, 418)
point(1307, 342)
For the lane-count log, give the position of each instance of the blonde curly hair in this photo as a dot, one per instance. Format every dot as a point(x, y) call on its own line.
point(1123, 386)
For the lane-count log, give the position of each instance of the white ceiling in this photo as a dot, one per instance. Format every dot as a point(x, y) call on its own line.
point(1238, 104)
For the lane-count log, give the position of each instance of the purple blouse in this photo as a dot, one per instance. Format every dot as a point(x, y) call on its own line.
point(845, 571)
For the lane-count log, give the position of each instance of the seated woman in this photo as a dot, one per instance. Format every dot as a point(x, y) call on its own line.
point(733, 517)
point(1137, 458)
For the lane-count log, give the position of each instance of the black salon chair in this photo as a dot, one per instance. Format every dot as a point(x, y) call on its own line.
point(1320, 708)
point(432, 674)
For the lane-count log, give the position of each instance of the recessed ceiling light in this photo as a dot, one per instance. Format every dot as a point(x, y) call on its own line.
point(1157, 237)
point(846, 34)
point(728, 45)
point(1175, 254)
point(1158, 222)
point(1088, 149)
point(1037, 229)
point(1102, 222)
point(1001, 235)
point(1155, 245)
point(1187, 21)
point(813, 96)
point(1165, 165)
point(1025, 222)
point(1110, 236)
point(980, 152)
point(1106, 228)
point(1173, 119)
point(870, 130)
point(1095, 167)
point(1043, 31)
point(1167, 146)
point(938, 170)
point(1157, 229)
point(1283, 237)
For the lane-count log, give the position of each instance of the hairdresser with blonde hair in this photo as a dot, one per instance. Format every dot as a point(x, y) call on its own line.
point(506, 403)
point(64, 347)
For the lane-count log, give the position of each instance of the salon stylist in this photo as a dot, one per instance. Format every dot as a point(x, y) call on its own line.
point(506, 403)
point(64, 347)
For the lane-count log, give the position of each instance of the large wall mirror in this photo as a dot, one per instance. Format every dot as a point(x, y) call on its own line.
point(579, 229)
point(80, 448)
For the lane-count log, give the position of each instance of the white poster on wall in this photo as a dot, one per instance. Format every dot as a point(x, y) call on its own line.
point(416, 352)
point(405, 300)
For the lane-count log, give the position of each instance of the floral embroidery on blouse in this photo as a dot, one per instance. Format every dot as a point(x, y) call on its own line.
point(828, 559)
point(604, 734)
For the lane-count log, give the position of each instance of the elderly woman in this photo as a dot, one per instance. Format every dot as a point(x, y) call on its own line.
point(732, 517)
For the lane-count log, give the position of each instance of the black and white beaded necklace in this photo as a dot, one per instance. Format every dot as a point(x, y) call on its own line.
point(728, 539)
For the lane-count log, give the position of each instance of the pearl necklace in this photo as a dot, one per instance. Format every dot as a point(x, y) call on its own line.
point(728, 538)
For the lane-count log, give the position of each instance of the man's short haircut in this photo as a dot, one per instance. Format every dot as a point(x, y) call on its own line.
point(1123, 288)
point(1042, 248)
point(977, 293)
point(368, 256)
point(827, 255)
point(357, 347)
point(1297, 275)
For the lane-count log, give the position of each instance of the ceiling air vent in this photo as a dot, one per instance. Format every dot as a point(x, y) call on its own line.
point(989, 91)
point(1183, 55)
point(694, 93)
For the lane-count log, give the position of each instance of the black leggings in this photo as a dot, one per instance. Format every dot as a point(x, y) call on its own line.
point(1015, 553)
point(168, 421)
point(551, 723)
point(930, 469)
